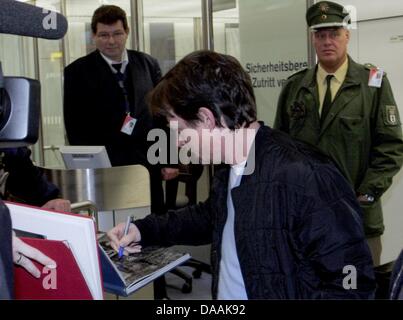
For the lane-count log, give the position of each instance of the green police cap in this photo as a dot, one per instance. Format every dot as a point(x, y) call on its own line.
point(326, 14)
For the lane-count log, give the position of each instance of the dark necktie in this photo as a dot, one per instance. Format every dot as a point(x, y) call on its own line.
point(117, 66)
point(119, 75)
point(121, 81)
point(327, 103)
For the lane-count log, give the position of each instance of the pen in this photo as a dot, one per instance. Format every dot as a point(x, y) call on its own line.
point(121, 249)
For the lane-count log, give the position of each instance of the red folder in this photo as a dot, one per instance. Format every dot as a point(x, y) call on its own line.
point(65, 283)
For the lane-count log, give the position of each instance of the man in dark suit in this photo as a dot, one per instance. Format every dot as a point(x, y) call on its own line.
point(104, 97)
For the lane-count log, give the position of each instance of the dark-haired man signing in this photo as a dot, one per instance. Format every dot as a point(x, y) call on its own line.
point(282, 221)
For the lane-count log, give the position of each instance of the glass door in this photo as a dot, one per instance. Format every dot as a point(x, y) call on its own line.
point(50, 57)
point(269, 37)
point(172, 29)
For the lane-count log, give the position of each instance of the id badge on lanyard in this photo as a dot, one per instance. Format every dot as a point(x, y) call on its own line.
point(129, 124)
point(375, 77)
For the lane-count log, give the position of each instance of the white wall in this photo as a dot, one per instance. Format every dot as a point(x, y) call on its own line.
point(375, 42)
point(375, 9)
point(271, 32)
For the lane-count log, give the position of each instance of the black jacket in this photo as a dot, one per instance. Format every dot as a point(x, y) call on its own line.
point(94, 107)
point(297, 225)
point(26, 182)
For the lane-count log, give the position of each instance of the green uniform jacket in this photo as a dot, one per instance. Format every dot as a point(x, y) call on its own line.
point(362, 132)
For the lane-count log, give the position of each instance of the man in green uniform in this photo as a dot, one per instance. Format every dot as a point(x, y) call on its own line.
point(348, 111)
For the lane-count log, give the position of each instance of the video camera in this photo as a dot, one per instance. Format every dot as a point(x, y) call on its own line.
point(20, 98)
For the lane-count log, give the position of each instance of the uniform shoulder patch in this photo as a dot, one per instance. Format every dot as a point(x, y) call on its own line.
point(391, 116)
point(370, 66)
point(298, 72)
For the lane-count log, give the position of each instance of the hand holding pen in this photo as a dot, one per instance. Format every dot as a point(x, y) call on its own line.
point(125, 238)
point(121, 248)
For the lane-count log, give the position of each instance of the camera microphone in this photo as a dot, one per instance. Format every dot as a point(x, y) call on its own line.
point(27, 20)
point(20, 98)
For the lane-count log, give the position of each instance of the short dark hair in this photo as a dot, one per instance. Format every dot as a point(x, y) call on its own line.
point(109, 14)
point(206, 79)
